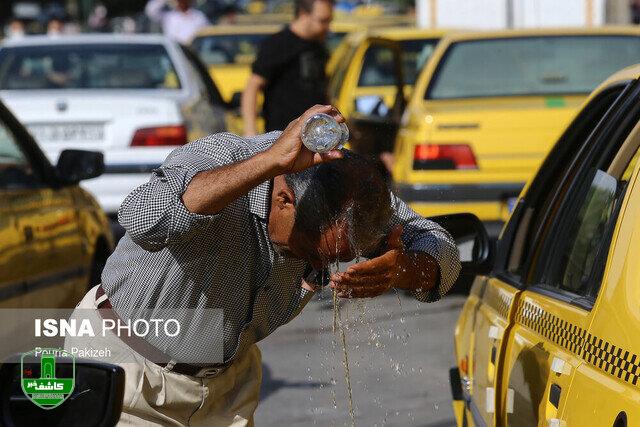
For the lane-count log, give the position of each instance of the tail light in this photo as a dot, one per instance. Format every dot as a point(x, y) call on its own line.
point(160, 136)
point(443, 157)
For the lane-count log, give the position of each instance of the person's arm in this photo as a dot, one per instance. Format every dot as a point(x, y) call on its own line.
point(249, 103)
point(421, 257)
point(155, 10)
point(198, 181)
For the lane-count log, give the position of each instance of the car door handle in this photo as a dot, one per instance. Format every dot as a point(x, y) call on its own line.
point(554, 395)
point(556, 422)
point(28, 233)
point(558, 366)
point(495, 332)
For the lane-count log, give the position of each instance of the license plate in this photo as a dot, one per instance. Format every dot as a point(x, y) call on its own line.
point(67, 132)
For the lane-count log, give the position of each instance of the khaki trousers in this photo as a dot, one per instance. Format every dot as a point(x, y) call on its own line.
point(155, 396)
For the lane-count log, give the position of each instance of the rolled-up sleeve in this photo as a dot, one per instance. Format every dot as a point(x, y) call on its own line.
point(422, 235)
point(154, 214)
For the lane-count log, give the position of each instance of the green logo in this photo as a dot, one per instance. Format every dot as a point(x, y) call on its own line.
point(48, 376)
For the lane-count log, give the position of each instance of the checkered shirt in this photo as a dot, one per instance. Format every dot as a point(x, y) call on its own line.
point(173, 258)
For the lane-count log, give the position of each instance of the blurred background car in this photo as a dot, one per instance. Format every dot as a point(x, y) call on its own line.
point(363, 71)
point(54, 237)
point(229, 51)
point(488, 106)
point(134, 97)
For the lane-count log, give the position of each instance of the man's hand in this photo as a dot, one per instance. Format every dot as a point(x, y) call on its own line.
point(290, 154)
point(393, 269)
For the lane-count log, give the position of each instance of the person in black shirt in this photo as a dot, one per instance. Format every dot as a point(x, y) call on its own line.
point(289, 69)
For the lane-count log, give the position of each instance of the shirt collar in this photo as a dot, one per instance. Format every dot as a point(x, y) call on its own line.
point(260, 199)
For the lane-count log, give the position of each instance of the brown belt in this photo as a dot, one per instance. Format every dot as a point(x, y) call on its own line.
point(149, 352)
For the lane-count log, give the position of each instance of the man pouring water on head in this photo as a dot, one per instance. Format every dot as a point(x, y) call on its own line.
point(248, 226)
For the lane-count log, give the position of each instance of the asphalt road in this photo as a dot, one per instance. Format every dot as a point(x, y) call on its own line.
point(399, 352)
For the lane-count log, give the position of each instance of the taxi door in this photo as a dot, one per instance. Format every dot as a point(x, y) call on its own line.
point(524, 328)
point(47, 255)
point(562, 228)
point(373, 120)
point(484, 327)
point(604, 390)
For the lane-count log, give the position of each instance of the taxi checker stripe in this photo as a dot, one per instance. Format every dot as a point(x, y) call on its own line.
point(594, 350)
point(499, 301)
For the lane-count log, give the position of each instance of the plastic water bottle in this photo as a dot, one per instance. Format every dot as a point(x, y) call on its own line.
point(322, 133)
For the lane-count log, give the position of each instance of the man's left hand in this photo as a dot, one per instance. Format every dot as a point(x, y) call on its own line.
point(394, 269)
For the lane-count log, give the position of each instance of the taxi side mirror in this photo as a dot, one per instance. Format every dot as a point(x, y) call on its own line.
point(476, 248)
point(77, 165)
point(96, 400)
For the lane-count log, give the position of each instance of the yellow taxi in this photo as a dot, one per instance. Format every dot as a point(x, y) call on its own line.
point(487, 107)
point(550, 333)
point(54, 237)
point(362, 67)
point(228, 51)
point(339, 30)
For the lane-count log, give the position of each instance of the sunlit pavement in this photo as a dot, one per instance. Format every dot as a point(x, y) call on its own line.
point(399, 357)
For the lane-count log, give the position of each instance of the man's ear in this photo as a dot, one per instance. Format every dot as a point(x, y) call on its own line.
point(285, 199)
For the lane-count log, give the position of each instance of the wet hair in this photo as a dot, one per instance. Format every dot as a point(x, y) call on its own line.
point(306, 6)
point(351, 192)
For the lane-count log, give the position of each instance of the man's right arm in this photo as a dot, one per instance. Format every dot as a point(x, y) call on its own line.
point(199, 180)
point(249, 103)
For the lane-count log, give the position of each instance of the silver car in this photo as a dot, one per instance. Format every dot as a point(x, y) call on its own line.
point(133, 97)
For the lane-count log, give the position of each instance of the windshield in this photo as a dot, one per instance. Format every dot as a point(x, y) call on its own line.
point(415, 54)
point(334, 38)
point(531, 66)
point(228, 49)
point(87, 66)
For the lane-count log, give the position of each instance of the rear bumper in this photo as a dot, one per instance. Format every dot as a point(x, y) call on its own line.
point(447, 193)
point(492, 203)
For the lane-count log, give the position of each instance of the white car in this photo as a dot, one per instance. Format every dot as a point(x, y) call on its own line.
point(133, 97)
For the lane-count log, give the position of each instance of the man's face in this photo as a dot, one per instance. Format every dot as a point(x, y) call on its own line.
point(317, 22)
point(332, 246)
point(184, 5)
point(55, 26)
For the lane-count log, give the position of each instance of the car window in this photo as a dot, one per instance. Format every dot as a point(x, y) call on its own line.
point(579, 230)
point(87, 66)
point(335, 85)
point(228, 48)
point(548, 185)
point(586, 239)
point(16, 171)
point(378, 67)
point(525, 66)
point(204, 82)
point(415, 54)
point(334, 38)
point(577, 256)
